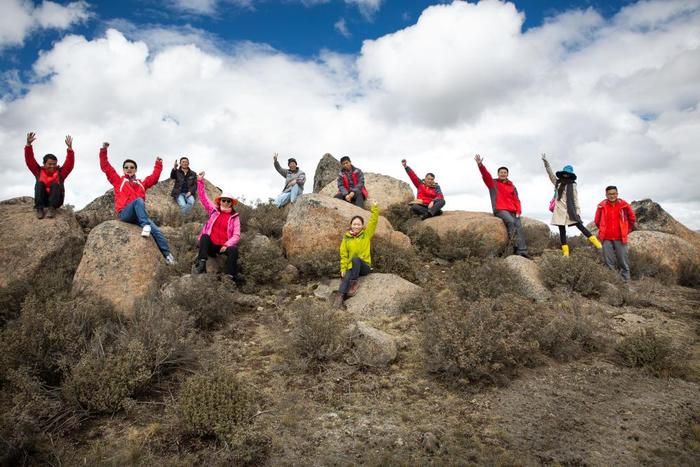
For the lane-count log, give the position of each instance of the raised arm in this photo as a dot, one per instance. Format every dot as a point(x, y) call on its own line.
point(412, 175)
point(485, 175)
point(152, 179)
point(278, 167)
point(69, 163)
point(548, 168)
point(29, 159)
point(202, 194)
point(373, 220)
point(106, 167)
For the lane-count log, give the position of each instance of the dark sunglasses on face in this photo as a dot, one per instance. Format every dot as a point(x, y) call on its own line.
point(226, 200)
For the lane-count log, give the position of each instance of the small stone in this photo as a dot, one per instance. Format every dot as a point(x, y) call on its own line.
point(430, 442)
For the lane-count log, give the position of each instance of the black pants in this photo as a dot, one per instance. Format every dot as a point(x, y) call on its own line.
point(358, 200)
point(207, 248)
point(579, 225)
point(359, 268)
point(422, 209)
point(52, 199)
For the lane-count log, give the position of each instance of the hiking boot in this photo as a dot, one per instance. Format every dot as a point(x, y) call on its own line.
point(594, 240)
point(169, 259)
point(565, 250)
point(338, 301)
point(352, 290)
point(201, 266)
point(39, 213)
point(51, 213)
point(146, 231)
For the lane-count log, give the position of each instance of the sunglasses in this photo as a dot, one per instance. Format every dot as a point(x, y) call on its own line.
point(226, 200)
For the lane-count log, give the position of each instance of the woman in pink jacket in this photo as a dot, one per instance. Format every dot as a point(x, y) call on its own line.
point(222, 231)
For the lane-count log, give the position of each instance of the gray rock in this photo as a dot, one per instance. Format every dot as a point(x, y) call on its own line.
point(530, 278)
point(382, 189)
point(371, 346)
point(326, 171)
point(289, 274)
point(382, 294)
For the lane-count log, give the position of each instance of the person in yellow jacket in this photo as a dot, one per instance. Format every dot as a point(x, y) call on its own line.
point(355, 256)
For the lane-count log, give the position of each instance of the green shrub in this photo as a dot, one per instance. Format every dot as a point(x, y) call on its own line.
point(400, 217)
point(216, 403)
point(425, 239)
point(319, 334)
point(267, 219)
point(105, 379)
point(245, 213)
point(652, 352)
point(261, 262)
point(689, 274)
point(318, 264)
point(472, 280)
point(387, 257)
point(569, 334)
point(455, 245)
point(50, 335)
point(208, 300)
point(644, 265)
point(581, 272)
point(537, 242)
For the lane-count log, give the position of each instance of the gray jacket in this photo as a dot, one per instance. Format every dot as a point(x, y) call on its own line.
point(288, 175)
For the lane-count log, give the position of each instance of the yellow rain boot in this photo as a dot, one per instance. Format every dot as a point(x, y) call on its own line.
point(565, 250)
point(594, 240)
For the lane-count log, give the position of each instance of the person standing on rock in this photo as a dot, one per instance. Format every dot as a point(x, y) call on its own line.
point(505, 204)
point(49, 191)
point(222, 231)
point(130, 198)
point(293, 184)
point(355, 257)
point(567, 211)
point(429, 200)
point(184, 186)
point(615, 219)
point(351, 183)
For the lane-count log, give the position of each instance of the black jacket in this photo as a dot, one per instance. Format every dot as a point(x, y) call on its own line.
point(180, 178)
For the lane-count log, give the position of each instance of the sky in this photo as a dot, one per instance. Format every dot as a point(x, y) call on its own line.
point(610, 87)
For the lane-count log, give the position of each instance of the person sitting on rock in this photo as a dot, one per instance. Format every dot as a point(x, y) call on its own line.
point(185, 185)
point(355, 258)
point(49, 191)
point(130, 198)
point(293, 184)
point(615, 220)
point(222, 231)
point(505, 204)
point(351, 183)
point(567, 211)
point(429, 201)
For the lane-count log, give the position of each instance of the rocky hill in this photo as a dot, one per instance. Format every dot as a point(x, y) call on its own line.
point(452, 351)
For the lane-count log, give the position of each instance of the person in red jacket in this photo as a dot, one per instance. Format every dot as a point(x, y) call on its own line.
point(49, 191)
point(429, 200)
point(505, 204)
point(130, 198)
point(615, 220)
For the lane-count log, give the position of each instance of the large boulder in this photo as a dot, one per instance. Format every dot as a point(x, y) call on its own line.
point(530, 277)
point(383, 189)
point(537, 227)
point(382, 294)
point(326, 172)
point(30, 245)
point(651, 216)
point(483, 224)
point(118, 264)
point(664, 248)
point(316, 224)
point(161, 207)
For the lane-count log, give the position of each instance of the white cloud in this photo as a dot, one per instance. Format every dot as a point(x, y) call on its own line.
point(21, 17)
point(342, 27)
point(464, 79)
point(367, 7)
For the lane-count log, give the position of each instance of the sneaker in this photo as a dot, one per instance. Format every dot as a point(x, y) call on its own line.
point(170, 259)
point(201, 266)
point(39, 213)
point(146, 231)
point(51, 213)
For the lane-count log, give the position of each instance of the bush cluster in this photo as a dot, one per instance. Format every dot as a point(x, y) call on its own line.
point(453, 246)
point(319, 264)
point(387, 257)
point(267, 219)
point(581, 272)
point(537, 242)
point(488, 341)
point(652, 352)
point(319, 334)
point(400, 217)
point(216, 403)
point(207, 299)
point(261, 263)
point(473, 280)
point(644, 265)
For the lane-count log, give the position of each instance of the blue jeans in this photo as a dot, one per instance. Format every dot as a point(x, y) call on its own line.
point(135, 213)
point(185, 202)
point(288, 196)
